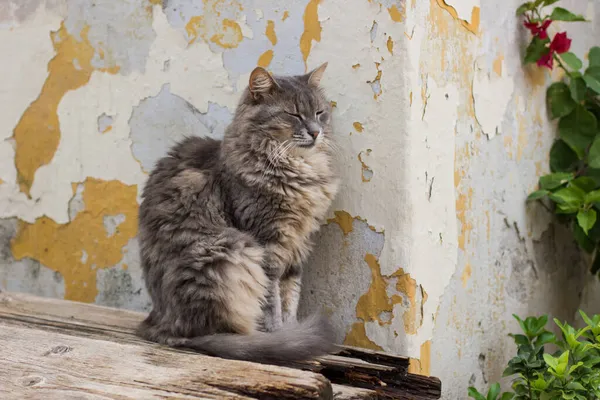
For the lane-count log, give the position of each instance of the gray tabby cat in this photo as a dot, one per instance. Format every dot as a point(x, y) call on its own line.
point(225, 227)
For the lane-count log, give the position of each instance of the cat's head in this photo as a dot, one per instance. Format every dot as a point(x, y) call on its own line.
point(290, 109)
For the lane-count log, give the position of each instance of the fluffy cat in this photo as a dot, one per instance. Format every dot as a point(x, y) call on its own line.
point(225, 227)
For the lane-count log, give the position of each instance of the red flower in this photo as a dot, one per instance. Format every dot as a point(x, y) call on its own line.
point(561, 43)
point(546, 60)
point(538, 30)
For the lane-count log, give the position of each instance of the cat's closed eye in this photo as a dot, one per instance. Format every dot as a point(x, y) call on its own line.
point(294, 115)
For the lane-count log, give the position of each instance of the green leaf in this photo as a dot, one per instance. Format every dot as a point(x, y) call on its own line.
point(559, 99)
point(578, 88)
point(520, 340)
point(562, 158)
point(594, 154)
point(544, 338)
point(578, 129)
point(586, 219)
point(585, 183)
point(594, 57)
point(494, 392)
point(551, 361)
point(550, 2)
point(566, 208)
point(593, 197)
point(568, 196)
point(560, 14)
point(475, 394)
point(572, 61)
point(536, 49)
point(555, 180)
point(583, 239)
point(537, 195)
point(507, 396)
point(592, 78)
point(523, 8)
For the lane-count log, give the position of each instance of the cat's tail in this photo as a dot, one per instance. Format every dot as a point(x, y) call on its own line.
point(301, 341)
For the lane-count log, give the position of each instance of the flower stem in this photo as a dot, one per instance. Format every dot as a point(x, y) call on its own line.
point(560, 63)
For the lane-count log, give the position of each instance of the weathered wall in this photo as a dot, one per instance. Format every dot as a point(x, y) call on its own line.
point(442, 133)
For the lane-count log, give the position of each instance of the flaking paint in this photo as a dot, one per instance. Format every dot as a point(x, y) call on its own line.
point(38, 132)
point(60, 247)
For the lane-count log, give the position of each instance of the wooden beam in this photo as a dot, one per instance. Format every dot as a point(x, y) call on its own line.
point(355, 372)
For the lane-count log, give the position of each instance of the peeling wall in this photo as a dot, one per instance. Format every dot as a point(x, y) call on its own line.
point(429, 247)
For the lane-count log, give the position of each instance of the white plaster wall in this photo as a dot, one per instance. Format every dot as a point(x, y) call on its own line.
point(441, 132)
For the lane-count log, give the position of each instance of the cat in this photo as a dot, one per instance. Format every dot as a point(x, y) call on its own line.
point(225, 227)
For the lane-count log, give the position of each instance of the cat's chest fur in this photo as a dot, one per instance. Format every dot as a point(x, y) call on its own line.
point(285, 219)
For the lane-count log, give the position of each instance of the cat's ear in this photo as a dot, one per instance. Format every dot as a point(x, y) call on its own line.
point(314, 77)
point(261, 82)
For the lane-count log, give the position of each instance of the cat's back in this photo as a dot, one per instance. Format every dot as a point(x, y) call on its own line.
point(181, 181)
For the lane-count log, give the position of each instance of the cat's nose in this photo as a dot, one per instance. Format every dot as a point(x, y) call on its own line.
point(314, 134)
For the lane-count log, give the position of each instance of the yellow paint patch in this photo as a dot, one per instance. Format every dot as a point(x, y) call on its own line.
point(422, 366)
point(77, 249)
point(466, 275)
point(265, 59)
point(230, 36)
point(377, 80)
point(408, 286)
point(270, 32)
point(107, 129)
point(508, 143)
point(376, 301)
point(286, 14)
point(472, 26)
point(396, 14)
point(356, 66)
point(211, 26)
point(366, 171)
point(463, 204)
point(312, 28)
point(358, 127)
point(358, 337)
point(497, 67)
point(344, 220)
point(1, 181)
point(390, 45)
point(38, 132)
point(410, 98)
point(333, 104)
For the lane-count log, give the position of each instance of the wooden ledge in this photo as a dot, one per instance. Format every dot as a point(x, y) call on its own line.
point(58, 349)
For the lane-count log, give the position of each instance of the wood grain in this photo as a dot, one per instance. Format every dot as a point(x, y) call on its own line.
point(355, 373)
point(58, 366)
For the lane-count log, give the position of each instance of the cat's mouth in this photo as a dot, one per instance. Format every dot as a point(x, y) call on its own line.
point(307, 145)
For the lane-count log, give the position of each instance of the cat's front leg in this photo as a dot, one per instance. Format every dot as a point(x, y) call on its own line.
point(272, 308)
point(290, 286)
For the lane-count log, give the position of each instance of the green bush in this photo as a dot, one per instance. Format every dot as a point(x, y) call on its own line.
point(572, 372)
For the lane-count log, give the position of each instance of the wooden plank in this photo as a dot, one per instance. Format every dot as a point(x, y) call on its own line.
point(341, 392)
point(56, 366)
point(384, 373)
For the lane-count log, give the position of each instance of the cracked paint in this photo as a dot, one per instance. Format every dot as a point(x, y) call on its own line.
point(312, 28)
point(38, 132)
point(60, 247)
point(472, 22)
point(367, 172)
point(491, 94)
point(396, 14)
